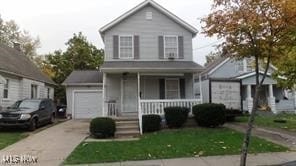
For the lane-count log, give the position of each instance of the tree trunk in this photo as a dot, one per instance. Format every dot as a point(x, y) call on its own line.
point(247, 138)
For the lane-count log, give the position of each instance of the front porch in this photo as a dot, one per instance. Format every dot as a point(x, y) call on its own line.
point(137, 94)
point(274, 97)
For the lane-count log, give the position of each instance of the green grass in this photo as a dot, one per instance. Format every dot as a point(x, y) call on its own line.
point(8, 138)
point(169, 144)
point(267, 121)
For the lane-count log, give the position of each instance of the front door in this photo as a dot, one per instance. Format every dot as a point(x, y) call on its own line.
point(129, 96)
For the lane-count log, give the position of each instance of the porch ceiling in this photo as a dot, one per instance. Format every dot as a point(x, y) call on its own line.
point(151, 66)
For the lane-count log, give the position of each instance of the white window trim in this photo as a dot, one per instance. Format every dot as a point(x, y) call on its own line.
point(165, 86)
point(119, 46)
point(8, 87)
point(177, 42)
point(37, 91)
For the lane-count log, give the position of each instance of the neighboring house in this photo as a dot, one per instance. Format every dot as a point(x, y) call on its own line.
point(20, 78)
point(232, 82)
point(148, 65)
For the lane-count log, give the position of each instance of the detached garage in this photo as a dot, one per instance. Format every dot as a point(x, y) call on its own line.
point(84, 94)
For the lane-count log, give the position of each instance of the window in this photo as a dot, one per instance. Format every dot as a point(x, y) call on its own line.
point(48, 93)
point(6, 89)
point(249, 63)
point(126, 47)
point(34, 91)
point(149, 15)
point(171, 46)
point(172, 89)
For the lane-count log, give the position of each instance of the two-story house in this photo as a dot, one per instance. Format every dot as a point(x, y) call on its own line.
point(232, 82)
point(148, 65)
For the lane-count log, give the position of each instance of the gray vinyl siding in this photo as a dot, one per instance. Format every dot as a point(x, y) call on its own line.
point(252, 81)
point(113, 88)
point(227, 70)
point(148, 32)
point(69, 94)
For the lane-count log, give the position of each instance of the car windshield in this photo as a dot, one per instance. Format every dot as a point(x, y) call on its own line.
point(15, 105)
point(29, 104)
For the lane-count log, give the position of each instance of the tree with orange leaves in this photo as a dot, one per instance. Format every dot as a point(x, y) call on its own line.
point(263, 29)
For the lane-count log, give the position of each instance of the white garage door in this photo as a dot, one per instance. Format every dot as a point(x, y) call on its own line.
point(87, 104)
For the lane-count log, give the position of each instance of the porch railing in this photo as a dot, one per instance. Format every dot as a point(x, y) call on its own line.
point(112, 109)
point(157, 106)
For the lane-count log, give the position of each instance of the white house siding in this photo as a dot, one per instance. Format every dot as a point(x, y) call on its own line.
point(13, 90)
point(148, 32)
point(20, 88)
point(71, 89)
point(205, 91)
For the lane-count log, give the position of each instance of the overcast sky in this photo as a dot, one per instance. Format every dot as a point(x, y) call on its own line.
point(55, 21)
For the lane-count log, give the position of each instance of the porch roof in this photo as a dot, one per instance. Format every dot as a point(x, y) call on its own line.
point(137, 66)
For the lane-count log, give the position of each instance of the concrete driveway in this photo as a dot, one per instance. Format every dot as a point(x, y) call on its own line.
point(52, 145)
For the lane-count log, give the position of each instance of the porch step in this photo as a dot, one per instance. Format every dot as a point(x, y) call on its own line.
point(127, 127)
point(127, 134)
point(127, 118)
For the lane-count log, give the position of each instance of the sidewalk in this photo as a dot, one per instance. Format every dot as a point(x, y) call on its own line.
point(277, 136)
point(232, 160)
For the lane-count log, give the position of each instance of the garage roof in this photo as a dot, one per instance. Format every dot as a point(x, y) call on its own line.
point(84, 77)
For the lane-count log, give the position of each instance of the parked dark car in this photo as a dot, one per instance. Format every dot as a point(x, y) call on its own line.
point(28, 113)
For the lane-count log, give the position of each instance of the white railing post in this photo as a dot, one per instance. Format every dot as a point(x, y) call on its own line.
point(139, 105)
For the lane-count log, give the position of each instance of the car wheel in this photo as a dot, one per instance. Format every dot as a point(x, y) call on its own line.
point(33, 125)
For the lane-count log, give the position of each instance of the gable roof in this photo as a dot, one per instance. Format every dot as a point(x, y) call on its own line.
point(16, 63)
point(84, 77)
point(155, 5)
point(213, 66)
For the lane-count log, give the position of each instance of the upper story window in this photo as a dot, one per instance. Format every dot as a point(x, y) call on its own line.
point(245, 65)
point(126, 47)
point(171, 46)
point(6, 89)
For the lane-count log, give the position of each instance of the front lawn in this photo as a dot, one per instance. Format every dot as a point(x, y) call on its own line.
point(169, 144)
point(268, 121)
point(8, 138)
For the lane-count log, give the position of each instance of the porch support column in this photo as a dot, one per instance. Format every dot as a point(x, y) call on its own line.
point(294, 96)
point(249, 98)
point(200, 89)
point(104, 96)
point(1, 95)
point(271, 99)
point(139, 105)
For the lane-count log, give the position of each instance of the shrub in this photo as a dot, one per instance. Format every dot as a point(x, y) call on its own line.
point(209, 114)
point(176, 116)
point(151, 123)
point(102, 127)
point(232, 113)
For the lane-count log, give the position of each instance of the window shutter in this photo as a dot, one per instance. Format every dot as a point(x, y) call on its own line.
point(181, 47)
point(136, 47)
point(161, 89)
point(160, 47)
point(115, 47)
point(182, 88)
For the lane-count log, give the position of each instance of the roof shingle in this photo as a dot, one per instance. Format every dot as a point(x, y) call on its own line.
point(15, 62)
